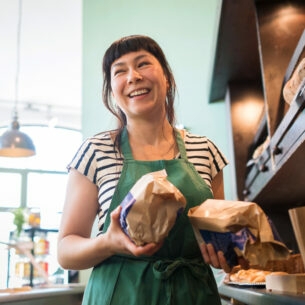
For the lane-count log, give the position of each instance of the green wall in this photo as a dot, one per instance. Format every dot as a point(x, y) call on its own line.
point(187, 32)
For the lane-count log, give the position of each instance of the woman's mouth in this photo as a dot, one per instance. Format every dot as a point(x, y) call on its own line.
point(138, 92)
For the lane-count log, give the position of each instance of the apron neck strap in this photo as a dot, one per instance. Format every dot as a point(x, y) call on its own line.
point(126, 149)
point(180, 143)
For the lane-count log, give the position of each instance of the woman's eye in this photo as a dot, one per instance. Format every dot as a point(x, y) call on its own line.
point(117, 72)
point(144, 63)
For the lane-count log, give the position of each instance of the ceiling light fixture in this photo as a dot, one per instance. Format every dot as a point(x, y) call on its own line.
point(13, 142)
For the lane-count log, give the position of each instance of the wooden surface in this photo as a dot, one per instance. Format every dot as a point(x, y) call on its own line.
point(63, 295)
point(237, 56)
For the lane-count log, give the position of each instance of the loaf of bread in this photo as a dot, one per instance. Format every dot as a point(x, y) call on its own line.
point(292, 86)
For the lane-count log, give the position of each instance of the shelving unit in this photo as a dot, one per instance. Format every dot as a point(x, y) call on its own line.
point(273, 179)
point(257, 50)
point(276, 177)
point(259, 44)
point(19, 266)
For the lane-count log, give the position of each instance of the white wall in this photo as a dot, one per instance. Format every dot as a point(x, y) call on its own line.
point(50, 59)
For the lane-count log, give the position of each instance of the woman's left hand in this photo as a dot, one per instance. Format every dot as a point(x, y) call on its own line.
point(121, 243)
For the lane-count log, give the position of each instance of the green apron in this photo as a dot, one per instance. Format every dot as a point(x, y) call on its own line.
point(176, 274)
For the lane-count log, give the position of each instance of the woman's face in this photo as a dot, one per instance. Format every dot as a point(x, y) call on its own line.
point(139, 85)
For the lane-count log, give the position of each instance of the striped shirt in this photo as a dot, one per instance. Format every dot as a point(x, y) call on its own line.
point(102, 164)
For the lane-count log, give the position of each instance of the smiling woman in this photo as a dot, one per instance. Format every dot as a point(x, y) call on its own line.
point(139, 84)
point(139, 89)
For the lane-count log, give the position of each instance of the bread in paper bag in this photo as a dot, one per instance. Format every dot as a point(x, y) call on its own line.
point(150, 208)
point(237, 228)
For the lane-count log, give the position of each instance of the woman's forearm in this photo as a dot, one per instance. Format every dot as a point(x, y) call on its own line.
point(77, 253)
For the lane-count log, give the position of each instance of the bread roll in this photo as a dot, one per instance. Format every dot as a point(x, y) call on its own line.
point(279, 273)
point(249, 276)
point(291, 87)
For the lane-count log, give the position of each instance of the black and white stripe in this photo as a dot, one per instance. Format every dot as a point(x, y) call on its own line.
point(102, 164)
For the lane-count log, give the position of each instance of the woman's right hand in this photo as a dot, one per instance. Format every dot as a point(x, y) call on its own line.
point(121, 243)
point(77, 249)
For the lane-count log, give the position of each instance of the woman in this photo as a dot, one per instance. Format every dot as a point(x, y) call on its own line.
point(139, 89)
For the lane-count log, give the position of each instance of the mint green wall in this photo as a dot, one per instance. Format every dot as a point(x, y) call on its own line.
point(187, 32)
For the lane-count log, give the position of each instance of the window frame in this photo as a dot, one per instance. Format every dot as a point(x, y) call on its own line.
point(24, 183)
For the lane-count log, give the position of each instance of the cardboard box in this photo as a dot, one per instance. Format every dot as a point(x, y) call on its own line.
point(291, 283)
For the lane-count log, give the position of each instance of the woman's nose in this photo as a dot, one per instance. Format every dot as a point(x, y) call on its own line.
point(133, 76)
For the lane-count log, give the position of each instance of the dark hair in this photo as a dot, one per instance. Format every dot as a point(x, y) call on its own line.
point(126, 45)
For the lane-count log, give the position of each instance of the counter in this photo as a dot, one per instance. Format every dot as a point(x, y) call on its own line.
point(59, 295)
point(259, 296)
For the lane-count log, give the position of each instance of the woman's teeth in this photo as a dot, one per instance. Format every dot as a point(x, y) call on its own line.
point(138, 92)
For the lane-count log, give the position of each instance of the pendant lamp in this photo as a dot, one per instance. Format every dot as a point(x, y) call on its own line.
point(13, 142)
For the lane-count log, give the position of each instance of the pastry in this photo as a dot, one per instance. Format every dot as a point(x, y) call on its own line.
point(249, 276)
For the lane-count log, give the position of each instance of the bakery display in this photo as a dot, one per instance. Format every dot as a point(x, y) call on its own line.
point(252, 275)
point(249, 276)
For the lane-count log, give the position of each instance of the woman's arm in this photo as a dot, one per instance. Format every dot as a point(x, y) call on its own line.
point(76, 248)
point(217, 186)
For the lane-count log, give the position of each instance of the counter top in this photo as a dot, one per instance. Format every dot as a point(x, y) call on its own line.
point(260, 296)
point(57, 294)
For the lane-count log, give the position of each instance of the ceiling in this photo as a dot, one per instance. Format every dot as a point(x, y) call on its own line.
point(47, 88)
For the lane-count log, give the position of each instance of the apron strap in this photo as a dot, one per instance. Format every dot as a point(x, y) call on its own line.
point(126, 149)
point(168, 270)
point(164, 269)
point(180, 143)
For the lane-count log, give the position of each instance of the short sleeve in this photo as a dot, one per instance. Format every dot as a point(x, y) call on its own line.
point(217, 159)
point(84, 160)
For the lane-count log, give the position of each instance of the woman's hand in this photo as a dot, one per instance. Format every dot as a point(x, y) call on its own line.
point(77, 249)
point(121, 243)
point(218, 260)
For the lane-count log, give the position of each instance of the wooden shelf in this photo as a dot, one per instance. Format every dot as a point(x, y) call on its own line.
point(279, 186)
point(256, 41)
point(236, 36)
point(257, 51)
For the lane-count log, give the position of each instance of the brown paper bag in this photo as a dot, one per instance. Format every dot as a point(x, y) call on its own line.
point(237, 226)
point(150, 208)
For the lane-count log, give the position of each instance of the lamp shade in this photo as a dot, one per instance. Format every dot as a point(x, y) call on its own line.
point(14, 143)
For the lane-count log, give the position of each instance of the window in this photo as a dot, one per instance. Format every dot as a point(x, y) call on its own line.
point(46, 192)
point(36, 182)
point(39, 181)
point(10, 195)
point(49, 93)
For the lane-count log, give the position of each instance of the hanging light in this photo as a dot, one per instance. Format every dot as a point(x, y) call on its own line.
point(13, 142)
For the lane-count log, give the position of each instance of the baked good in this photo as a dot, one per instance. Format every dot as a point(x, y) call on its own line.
point(249, 276)
point(16, 289)
point(293, 84)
